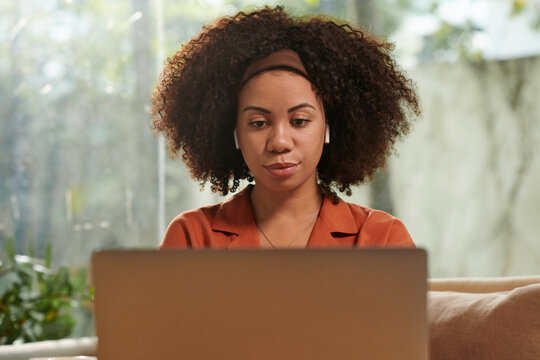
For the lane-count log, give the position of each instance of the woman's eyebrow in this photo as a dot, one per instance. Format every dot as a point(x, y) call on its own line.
point(257, 108)
point(296, 107)
point(266, 111)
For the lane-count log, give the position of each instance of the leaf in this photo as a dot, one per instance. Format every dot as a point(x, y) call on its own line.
point(79, 280)
point(13, 335)
point(6, 326)
point(518, 6)
point(30, 331)
point(48, 254)
point(36, 302)
point(7, 282)
point(58, 328)
point(37, 316)
point(10, 249)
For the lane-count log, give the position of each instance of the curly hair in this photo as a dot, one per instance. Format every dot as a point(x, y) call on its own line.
point(367, 100)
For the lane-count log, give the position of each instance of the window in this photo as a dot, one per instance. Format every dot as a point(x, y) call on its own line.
point(81, 169)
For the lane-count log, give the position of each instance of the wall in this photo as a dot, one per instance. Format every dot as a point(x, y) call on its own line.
point(466, 180)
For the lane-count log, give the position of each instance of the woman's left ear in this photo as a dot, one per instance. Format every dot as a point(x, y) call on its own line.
point(235, 134)
point(327, 134)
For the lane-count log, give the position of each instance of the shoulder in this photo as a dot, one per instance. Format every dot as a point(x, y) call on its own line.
point(363, 214)
point(189, 226)
point(198, 228)
point(379, 228)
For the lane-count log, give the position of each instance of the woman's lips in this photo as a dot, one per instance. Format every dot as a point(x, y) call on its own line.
point(282, 169)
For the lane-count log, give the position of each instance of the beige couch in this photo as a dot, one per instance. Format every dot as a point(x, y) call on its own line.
point(481, 319)
point(491, 318)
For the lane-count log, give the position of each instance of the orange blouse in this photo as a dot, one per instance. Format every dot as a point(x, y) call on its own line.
point(231, 224)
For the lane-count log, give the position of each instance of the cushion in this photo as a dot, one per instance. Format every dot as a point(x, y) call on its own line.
point(499, 325)
point(482, 285)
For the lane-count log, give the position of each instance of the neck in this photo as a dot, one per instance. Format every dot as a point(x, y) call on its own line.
point(294, 203)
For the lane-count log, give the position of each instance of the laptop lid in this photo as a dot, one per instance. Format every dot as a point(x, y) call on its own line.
point(253, 304)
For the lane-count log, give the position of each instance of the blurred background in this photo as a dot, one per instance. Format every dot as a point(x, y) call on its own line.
point(80, 169)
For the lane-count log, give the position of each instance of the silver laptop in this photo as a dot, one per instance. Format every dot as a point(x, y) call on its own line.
point(261, 304)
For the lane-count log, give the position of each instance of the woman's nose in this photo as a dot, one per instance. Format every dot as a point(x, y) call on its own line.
point(280, 139)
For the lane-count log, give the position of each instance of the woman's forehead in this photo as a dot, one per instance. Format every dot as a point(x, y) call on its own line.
point(278, 88)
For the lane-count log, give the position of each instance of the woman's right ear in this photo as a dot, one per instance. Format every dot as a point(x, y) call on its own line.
point(235, 134)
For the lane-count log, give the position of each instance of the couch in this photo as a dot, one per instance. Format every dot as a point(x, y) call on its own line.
point(468, 318)
point(490, 318)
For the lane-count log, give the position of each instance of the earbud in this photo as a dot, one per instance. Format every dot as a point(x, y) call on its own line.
point(327, 134)
point(235, 133)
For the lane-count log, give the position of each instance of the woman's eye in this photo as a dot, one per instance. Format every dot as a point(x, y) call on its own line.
point(300, 122)
point(257, 124)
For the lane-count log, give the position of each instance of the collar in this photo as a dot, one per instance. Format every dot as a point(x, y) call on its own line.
point(333, 219)
point(235, 216)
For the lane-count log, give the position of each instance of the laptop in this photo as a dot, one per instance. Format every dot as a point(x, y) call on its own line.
point(261, 304)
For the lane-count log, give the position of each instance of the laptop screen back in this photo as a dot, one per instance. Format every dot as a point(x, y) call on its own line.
point(253, 304)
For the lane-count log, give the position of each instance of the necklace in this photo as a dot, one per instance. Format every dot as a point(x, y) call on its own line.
point(295, 238)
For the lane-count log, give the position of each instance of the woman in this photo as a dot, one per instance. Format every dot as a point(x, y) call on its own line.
point(297, 105)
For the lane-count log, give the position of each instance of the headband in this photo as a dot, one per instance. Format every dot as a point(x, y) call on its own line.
point(286, 59)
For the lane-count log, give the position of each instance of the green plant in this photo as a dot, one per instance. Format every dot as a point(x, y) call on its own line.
point(36, 302)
